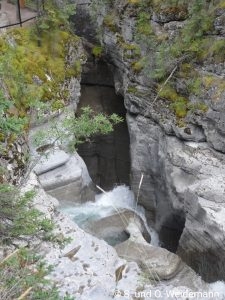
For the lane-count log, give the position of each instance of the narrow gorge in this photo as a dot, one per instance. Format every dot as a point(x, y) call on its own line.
point(184, 201)
point(139, 212)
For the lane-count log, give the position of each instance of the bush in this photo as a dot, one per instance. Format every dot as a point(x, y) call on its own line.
point(77, 130)
point(11, 124)
point(138, 66)
point(143, 24)
point(97, 51)
point(23, 274)
point(109, 22)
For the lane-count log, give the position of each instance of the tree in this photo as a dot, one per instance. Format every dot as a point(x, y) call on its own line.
point(72, 131)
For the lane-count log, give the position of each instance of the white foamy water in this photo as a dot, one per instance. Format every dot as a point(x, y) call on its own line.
point(121, 197)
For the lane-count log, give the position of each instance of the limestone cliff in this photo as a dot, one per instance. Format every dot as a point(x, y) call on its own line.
point(168, 63)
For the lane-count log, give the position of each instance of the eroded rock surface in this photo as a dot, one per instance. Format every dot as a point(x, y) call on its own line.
point(185, 179)
point(159, 263)
point(65, 176)
point(88, 268)
point(116, 224)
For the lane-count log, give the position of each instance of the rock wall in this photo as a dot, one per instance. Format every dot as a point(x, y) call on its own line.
point(179, 152)
point(13, 160)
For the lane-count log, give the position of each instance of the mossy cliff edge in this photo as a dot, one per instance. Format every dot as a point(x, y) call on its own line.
point(40, 74)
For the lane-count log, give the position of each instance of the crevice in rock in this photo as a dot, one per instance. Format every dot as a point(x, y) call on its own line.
point(107, 157)
point(171, 231)
point(97, 84)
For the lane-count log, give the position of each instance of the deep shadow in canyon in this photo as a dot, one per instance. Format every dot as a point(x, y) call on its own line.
point(171, 231)
point(107, 156)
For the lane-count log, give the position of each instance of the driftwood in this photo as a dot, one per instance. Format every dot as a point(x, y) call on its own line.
point(8, 257)
point(25, 293)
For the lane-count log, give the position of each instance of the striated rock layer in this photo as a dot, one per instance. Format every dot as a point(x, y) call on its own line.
point(179, 152)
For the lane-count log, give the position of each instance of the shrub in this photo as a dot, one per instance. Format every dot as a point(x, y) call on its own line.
point(18, 218)
point(179, 103)
point(138, 66)
point(77, 130)
point(23, 274)
point(143, 26)
point(109, 22)
point(180, 108)
point(10, 124)
point(97, 51)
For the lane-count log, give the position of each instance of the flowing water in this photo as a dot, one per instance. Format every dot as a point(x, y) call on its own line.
point(121, 197)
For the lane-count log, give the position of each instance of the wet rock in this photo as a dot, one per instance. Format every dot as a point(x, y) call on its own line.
point(114, 226)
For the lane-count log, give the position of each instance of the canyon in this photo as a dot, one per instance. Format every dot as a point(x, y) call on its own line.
point(144, 206)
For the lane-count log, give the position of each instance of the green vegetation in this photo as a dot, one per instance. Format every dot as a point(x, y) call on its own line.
point(217, 50)
point(24, 275)
point(158, 51)
point(37, 72)
point(143, 24)
point(10, 124)
point(56, 16)
point(34, 64)
point(18, 218)
point(109, 22)
point(134, 1)
point(24, 271)
point(132, 90)
point(97, 51)
point(74, 131)
point(138, 66)
point(190, 46)
point(130, 50)
point(180, 104)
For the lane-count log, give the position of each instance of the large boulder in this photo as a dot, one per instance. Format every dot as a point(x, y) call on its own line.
point(113, 228)
point(65, 176)
point(158, 263)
